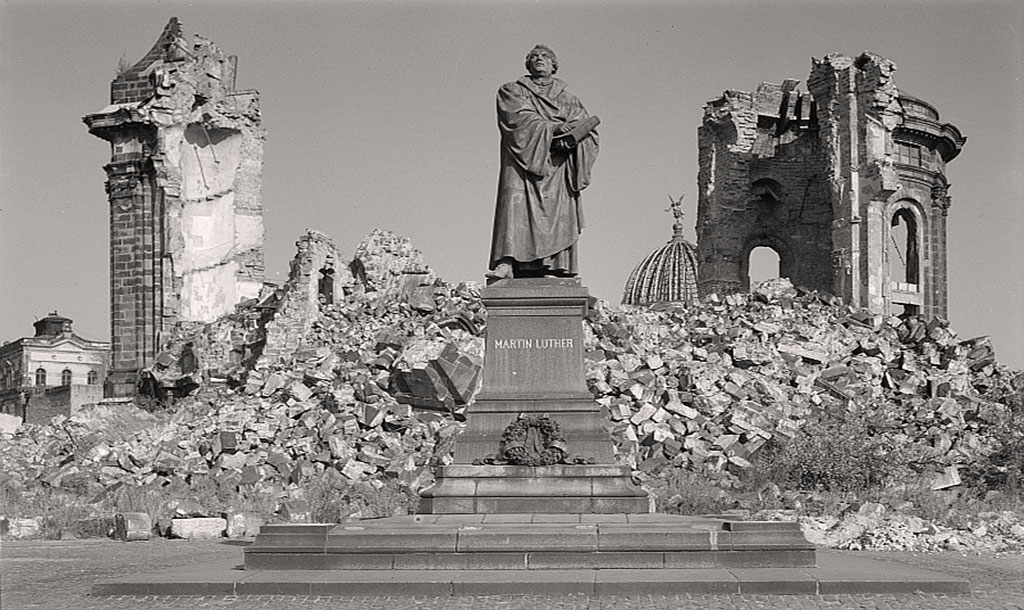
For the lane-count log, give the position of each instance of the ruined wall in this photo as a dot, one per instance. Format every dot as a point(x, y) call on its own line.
point(184, 182)
point(760, 184)
point(846, 183)
point(317, 274)
point(44, 405)
point(887, 159)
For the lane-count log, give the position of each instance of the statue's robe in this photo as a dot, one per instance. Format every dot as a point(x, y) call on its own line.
point(538, 216)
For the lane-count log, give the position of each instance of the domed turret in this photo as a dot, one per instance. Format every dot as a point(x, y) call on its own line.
point(669, 274)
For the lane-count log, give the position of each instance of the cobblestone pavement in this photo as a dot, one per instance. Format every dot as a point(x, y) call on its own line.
point(57, 575)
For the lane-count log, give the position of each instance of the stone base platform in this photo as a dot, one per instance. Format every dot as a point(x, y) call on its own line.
point(525, 541)
point(836, 573)
point(478, 489)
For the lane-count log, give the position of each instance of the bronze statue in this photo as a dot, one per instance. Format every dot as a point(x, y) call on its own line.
point(548, 146)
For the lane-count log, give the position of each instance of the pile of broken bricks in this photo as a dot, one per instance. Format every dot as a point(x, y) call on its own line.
point(706, 387)
point(379, 387)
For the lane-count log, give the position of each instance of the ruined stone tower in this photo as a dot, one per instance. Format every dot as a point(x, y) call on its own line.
point(845, 183)
point(184, 187)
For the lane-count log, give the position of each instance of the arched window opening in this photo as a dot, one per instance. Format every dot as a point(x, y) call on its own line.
point(65, 377)
point(40, 376)
point(904, 259)
point(765, 264)
point(767, 196)
point(92, 378)
point(767, 191)
point(325, 286)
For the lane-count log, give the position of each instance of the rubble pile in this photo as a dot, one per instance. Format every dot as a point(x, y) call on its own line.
point(706, 387)
point(374, 392)
point(361, 372)
point(329, 409)
point(876, 526)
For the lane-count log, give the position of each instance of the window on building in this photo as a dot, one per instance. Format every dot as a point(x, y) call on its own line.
point(903, 252)
point(908, 154)
point(65, 377)
point(92, 378)
point(40, 376)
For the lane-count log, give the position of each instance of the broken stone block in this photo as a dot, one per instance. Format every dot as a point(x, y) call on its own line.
point(950, 477)
point(188, 508)
point(295, 511)
point(242, 525)
point(132, 526)
point(200, 528)
point(300, 391)
point(24, 528)
point(9, 424)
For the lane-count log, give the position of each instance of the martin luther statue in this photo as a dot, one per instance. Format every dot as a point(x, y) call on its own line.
point(548, 146)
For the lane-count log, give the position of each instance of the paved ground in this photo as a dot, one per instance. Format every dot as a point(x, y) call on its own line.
point(57, 575)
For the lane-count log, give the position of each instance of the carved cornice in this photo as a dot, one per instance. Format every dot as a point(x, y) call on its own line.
point(943, 137)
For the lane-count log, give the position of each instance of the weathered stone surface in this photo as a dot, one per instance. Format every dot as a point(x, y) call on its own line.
point(132, 526)
point(200, 528)
point(24, 527)
point(243, 524)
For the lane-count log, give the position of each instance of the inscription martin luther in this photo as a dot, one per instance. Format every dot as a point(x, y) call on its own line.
point(533, 344)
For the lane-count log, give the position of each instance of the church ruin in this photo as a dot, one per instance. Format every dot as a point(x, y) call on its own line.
point(184, 188)
point(845, 183)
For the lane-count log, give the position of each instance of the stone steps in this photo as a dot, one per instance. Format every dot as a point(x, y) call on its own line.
point(525, 541)
point(836, 573)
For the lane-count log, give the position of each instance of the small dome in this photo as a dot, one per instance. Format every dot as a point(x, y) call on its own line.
point(669, 274)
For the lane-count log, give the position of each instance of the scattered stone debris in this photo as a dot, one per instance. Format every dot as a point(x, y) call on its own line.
point(706, 387)
point(876, 527)
point(376, 386)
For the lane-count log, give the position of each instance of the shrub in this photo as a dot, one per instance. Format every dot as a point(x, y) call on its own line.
point(845, 454)
point(332, 499)
point(684, 492)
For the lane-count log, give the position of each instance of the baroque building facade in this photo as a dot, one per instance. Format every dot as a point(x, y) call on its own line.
point(845, 182)
point(185, 196)
point(53, 372)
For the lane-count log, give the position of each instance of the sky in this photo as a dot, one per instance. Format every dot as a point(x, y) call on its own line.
point(381, 115)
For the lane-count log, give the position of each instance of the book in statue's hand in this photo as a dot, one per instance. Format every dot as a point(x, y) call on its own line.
point(574, 134)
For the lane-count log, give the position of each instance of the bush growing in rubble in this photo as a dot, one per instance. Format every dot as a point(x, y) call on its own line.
point(332, 499)
point(845, 454)
point(1003, 468)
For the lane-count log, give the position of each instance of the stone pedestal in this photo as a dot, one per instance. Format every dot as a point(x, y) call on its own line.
point(534, 366)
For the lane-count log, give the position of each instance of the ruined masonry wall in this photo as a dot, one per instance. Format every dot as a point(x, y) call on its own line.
point(762, 140)
point(820, 177)
point(300, 307)
point(185, 191)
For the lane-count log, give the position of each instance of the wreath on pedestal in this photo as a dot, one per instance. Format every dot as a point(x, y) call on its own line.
point(533, 441)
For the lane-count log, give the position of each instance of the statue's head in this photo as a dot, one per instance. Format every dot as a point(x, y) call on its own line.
point(541, 50)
